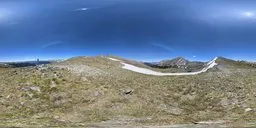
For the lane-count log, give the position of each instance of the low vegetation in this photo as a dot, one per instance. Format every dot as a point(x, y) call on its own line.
point(62, 95)
point(3, 70)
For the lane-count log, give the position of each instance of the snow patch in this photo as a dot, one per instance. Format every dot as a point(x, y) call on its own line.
point(113, 59)
point(145, 71)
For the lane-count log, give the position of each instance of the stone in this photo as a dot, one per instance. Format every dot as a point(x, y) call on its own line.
point(26, 89)
point(84, 79)
point(35, 88)
point(127, 92)
point(8, 96)
point(96, 94)
point(53, 84)
point(56, 117)
point(22, 103)
point(248, 110)
point(30, 95)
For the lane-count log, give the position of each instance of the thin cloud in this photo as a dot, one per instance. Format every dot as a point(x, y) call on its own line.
point(168, 48)
point(82, 9)
point(52, 44)
point(194, 56)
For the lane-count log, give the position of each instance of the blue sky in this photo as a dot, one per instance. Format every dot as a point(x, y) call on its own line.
point(148, 30)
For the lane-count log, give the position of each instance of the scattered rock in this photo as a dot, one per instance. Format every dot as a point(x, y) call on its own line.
point(190, 97)
point(2, 102)
point(81, 69)
point(224, 102)
point(244, 105)
point(59, 98)
point(35, 88)
point(171, 109)
point(127, 92)
point(8, 96)
point(56, 117)
point(30, 95)
point(248, 110)
point(175, 110)
point(53, 85)
point(22, 103)
point(84, 79)
point(96, 94)
point(26, 89)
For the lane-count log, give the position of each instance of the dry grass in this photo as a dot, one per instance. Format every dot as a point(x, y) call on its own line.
point(68, 99)
point(3, 70)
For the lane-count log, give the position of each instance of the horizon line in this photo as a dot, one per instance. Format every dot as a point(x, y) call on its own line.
point(141, 60)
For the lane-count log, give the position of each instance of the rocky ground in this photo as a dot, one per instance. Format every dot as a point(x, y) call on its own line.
point(97, 92)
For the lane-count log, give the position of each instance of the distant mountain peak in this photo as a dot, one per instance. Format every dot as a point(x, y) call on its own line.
point(178, 61)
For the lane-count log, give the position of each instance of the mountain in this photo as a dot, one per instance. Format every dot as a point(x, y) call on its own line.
point(25, 63)
point(178, 63)
point(235, 64)
point(99, 92)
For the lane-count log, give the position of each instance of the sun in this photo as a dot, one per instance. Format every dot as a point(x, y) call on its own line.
point(248, 14)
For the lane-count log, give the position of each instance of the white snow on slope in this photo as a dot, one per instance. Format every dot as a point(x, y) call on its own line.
point(133, 68)
point(113, 59)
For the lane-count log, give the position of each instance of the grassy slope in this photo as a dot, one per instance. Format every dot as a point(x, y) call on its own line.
point(236, 64)
point(72, 99)
point(3, 70)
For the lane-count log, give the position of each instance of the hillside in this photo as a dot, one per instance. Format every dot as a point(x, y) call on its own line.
point(23, 64)
point(235, 64)
point(178, 64)
point(98, 92)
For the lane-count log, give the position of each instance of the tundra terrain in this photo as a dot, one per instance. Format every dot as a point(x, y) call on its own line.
point(99, 92)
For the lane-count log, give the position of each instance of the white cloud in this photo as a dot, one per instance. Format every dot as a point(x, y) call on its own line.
point(168, 48)
point(248, 14)
point(194, 56)
point(82, 9)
